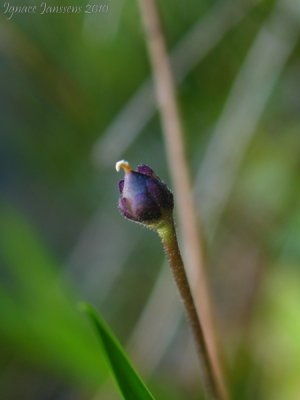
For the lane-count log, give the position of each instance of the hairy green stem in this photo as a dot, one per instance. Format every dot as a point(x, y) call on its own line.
point(167, 233)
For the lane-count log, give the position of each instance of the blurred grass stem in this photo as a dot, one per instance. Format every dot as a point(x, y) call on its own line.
point(194, 46)
point(238, 123)
point(173, 133)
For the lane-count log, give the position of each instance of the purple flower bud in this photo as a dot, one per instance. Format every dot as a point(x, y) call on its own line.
point(144, 197)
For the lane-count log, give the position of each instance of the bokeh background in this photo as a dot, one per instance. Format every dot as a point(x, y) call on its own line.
point(75, 97)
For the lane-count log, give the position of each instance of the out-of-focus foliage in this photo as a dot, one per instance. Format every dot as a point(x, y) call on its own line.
point(65, 84)
point(38, 314)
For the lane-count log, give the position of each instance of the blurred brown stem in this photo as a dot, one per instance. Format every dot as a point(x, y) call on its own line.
point(173, 133)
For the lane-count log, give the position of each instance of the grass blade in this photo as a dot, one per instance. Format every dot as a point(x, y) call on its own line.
point(129, 382)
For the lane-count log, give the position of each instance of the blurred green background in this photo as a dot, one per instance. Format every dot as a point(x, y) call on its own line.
point(75, 97)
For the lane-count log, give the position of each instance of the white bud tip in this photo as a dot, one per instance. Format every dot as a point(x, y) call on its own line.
point(123, 164)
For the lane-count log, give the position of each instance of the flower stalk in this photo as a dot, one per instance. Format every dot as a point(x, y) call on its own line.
point(145, 199)
point(167, 234)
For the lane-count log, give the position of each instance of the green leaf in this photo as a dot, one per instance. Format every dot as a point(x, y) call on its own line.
point(129, 382)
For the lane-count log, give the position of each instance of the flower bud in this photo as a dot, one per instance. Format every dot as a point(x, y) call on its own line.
point(144, 197)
